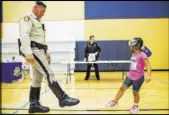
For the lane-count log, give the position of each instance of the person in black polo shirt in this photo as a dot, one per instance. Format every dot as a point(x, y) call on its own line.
point(90, 48)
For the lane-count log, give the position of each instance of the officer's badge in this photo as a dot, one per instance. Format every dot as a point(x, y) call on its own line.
point(26, 18)
point(17, 71)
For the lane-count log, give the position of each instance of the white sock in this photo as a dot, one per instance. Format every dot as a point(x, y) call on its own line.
point(136, 104)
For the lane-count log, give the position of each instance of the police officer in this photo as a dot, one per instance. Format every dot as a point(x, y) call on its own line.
point(92, 47)
point(34, 49)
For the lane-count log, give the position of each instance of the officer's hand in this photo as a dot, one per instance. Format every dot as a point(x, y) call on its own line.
point(49, 57)
point(30, 59)
point(142, 48)
point(84, 59)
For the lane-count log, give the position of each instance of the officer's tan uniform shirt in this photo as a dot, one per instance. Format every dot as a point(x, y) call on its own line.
point(30, 29)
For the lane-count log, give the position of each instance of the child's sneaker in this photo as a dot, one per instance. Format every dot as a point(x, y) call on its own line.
point(134, 109)
point(111, 104)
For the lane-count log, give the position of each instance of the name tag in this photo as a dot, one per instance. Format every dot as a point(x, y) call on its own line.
point(92, 57)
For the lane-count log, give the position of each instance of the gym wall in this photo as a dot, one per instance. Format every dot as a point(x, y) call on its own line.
point(123, 20)
point(61, 17)
point(107, 20)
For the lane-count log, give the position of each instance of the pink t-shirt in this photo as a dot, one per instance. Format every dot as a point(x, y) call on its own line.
point(137, 66)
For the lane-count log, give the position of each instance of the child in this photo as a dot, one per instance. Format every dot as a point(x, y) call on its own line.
point(135, 76)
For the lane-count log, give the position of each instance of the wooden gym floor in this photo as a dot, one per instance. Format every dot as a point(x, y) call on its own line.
point(93, 95)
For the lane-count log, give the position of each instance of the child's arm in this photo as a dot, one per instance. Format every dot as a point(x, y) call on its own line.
point(148, 67)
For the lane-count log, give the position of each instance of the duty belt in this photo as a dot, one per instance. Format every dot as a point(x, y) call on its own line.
point(39, 46)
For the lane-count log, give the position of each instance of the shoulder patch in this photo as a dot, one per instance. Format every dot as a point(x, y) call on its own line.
point(26, 18)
